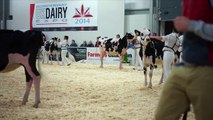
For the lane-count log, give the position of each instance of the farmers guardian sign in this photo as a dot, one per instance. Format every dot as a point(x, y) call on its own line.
point(70, 15)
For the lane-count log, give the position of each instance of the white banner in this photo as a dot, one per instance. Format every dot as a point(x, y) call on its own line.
point(69, 14)
point(93, 56)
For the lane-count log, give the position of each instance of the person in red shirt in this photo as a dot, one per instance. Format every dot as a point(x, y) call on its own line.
point(191, 81)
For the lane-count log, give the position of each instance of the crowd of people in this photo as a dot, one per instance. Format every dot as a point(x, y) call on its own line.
point(146, 47)
point(55, 49)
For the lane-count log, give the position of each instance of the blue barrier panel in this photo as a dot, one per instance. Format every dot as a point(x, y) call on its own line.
point(79, 53)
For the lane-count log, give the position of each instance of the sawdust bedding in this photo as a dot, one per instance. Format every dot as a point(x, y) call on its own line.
point(81, 91)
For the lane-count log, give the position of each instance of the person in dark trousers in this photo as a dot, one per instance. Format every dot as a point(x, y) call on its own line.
point(191, 81)
point(47, 51)
point(54, 50)
point(84, 44)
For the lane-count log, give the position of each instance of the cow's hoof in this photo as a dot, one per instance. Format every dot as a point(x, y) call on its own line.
point(24, 102)
point(101, 67)
point(160, 83)
point(145, 84)
point(150, 85)
point(35, 105)
point(120, 68)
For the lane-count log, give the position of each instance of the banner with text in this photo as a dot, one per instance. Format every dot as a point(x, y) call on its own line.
point(61, 16)
point(93, 56)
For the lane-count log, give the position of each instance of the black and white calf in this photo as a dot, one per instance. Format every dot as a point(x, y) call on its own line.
point(149, 54)
point(149, 60)
point(19, 48)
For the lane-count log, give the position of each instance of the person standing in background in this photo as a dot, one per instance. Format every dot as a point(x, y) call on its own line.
point(47, 51)
point(84, 44)
point(59, 48)
point(73, 44)
point(54, 50)
point(73, 48)
point(97, 43)
point(168, 51)
point(139, 65)
point(90, 44)
point(64, 51)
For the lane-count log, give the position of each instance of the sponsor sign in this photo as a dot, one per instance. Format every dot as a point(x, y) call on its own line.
point(93, 56)
point(69, 15)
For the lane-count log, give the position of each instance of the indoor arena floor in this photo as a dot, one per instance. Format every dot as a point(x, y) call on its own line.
point(82, 91)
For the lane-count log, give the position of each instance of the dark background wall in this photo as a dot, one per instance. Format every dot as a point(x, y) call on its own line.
point(1, 12)
point(169, 9)
point(4, 13)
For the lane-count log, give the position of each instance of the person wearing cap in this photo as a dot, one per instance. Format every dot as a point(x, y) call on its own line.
point(138, 51)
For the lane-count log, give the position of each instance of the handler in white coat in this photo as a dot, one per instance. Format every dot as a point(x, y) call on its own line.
point(64, 45)
point(168, 51)
point(138, 59)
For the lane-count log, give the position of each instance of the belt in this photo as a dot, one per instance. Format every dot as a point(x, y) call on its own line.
point(168, 51)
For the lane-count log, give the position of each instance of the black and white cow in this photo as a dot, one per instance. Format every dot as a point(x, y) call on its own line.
point(122, 47)
point(19, 48)
point(118, 45)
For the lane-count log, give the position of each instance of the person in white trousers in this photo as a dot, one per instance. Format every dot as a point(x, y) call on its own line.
point(168, 51)
point(138, 59)
point(64, 51)
point(180, 48)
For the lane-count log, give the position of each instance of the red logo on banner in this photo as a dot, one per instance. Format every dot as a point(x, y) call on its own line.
point(82, 13)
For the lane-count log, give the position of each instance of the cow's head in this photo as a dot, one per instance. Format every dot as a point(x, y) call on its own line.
point(144, 33)
point(138, 33)
point(129, 36)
